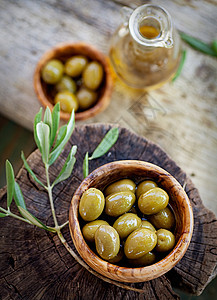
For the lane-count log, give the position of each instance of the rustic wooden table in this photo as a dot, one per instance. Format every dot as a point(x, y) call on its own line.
point(180, 117)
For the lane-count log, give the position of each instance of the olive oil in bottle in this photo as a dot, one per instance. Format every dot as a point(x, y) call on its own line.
point(149, 32)
point(145, 52)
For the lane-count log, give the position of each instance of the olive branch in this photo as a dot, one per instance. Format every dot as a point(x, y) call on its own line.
point(51, 142)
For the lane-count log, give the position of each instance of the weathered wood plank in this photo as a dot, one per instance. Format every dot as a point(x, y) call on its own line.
point(181, 117)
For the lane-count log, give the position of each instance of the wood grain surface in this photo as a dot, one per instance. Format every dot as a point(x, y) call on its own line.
point(35, 265)
point(180, 117)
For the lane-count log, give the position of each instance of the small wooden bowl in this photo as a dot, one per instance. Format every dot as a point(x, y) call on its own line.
point(137, 171)
point(64, 51)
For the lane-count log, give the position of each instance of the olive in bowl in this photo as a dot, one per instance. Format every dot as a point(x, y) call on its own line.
point(130, 235)
point(78, 76)
point(136, 171)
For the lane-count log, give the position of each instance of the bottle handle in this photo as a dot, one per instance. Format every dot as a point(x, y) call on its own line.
point(125, 14)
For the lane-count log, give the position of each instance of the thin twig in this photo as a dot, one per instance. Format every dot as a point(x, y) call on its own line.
point(83, 264)
point(64, 224)
point(10, 214)
point(49, 190)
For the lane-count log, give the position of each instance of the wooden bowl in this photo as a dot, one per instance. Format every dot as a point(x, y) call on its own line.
point(137, 171)
point(64, 51)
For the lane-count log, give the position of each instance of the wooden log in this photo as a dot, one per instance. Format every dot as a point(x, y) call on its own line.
point(180, 116)
point(34, 263)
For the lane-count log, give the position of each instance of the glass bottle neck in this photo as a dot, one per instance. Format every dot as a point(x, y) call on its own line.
point(151, 26)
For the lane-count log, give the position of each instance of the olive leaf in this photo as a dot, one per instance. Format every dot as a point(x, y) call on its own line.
point(43, 132)
point(36, 121)
point(60, 136)
point(214, 46)
point(69, 129)
point(197, 44)
point(30, 170)
point(181, 64)
point(107, 142)
point(68, 166)
point(2, 215)
point(10, 182)
point(86, 165)
point(55, 122)
point(48, 117)
point(18, 196)
point(28, 216)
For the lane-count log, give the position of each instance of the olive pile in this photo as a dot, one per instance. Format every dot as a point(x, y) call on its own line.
point(128, 231)
point(75, 82)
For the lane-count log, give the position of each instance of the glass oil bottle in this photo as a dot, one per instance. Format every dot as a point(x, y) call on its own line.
point(145, 50)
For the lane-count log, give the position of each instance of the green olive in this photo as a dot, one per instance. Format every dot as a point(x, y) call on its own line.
point(67, 100)
point(126, 224)
point(165, 240)
point(75, 65)
point(52, 72)
point(86, 98)
point(66, 83)
point(145, 260)
point(148, 225)
point(91, 204)
point(145, 186)
point(139, 242)
point(90, 229)
point(122, 185)
point(107, 242)
point(119, 203)
point(163, 219)
point(93, 75)
point(153, 201)
point(118, 257)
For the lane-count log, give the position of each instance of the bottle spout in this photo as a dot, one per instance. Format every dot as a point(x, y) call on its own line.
point(168, 43)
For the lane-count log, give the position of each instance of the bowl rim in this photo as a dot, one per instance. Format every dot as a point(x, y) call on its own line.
point(123, 273)
point(103, 101)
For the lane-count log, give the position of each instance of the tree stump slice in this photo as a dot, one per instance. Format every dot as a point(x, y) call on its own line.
point(35, 265)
